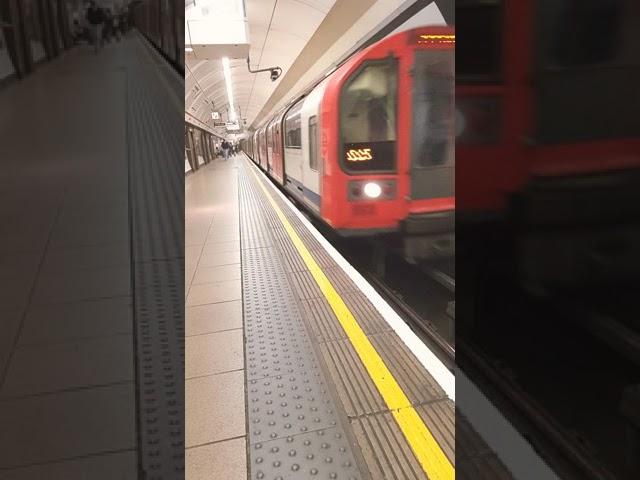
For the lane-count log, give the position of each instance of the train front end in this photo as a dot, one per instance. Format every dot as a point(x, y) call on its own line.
point(388, 142)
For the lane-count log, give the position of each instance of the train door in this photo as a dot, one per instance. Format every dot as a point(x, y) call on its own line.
point(293, 149)
point(255, 148)
point(277, 162)
point(432, 133)
point(269, 134)
point(189, 150)
point(207, 147)
point(262, 136)
point(311, 168)
point(199, 147)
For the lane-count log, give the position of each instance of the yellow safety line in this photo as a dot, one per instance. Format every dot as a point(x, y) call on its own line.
point(426, 449)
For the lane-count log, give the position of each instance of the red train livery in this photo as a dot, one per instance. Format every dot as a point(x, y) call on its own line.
point(370, 149)
point(548, 133)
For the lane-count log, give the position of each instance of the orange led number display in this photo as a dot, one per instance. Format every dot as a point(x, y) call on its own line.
point(433, 39)
point(359, 154)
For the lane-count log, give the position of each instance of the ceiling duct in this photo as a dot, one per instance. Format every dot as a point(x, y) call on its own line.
point(215, 29)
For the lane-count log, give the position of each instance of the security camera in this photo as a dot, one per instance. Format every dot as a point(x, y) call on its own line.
point(274, 71)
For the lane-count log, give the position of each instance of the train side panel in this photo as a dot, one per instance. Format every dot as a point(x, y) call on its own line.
point(311, 165)
point(292, 126)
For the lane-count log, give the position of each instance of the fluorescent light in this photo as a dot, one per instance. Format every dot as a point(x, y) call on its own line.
point(227, 78)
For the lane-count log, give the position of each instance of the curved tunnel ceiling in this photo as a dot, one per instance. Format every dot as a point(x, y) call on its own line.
point(281, 33)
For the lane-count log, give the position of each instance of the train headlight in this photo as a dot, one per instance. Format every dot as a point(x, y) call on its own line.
point(369, 189)
point(372, 190)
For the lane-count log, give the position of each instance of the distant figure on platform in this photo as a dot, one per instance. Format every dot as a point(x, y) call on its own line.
point(225, 149)
point(123, 21)
point(108, 25)
point(95, 19)
point(115, 19)
point(77, 31)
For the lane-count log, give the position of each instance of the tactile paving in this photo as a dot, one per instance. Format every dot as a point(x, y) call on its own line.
point(324, 454)
point(380, 441)
point(156, 207)
point(439, 417)
point(276, 340)
point(356, 390)
point(326, 326)
point(294, 428)
point(288, 405)
point(385, 450)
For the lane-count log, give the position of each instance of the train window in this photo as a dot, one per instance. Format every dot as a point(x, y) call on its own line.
point(292, 128)
point(478, 40)
point(433, 106)
point(313, 143)
point(368, 117)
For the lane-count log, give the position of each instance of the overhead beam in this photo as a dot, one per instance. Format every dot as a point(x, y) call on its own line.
point(448, 10)
point(336, 23)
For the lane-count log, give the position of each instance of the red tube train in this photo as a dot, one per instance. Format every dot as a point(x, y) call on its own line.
point(547, 134)
point(370, 149)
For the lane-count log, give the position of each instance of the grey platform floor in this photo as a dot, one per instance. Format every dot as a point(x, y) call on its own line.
point(307, 395)
point(259, 331)
point(67, 370)
point(215, 377)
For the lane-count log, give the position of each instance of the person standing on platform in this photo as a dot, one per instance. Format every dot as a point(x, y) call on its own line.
point(225, 149)
point(115, 19)
point(95, 19)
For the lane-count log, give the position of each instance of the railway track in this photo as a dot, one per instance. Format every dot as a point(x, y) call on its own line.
point(563, 371)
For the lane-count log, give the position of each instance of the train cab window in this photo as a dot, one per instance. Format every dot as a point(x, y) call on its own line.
point(368, 117)
point(293, 128)
point(478, 41)
point(313, 143)
point(433, 106)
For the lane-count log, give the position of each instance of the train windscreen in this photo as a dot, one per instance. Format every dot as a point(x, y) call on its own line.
point(368, 118)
